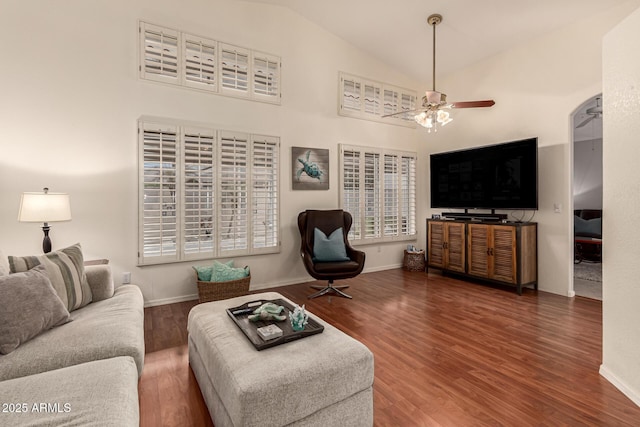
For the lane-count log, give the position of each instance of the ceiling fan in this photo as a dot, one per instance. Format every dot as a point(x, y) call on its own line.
point(593, 112)
point(434, 104)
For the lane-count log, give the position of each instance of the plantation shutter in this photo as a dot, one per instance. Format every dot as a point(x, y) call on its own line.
point(199, 200)
point(350, 95)
point(407, 103)
point(234, 68)
point(233, 193)
point(373, 203)
point(159, 53)
point(390, 101)
point(265, 197)
point(379, 189)
point(266, 77)
point(199, 59)
point(408, 196)
point(159, 187)
point(391, 195)
point(372, 99)
point(351, 190)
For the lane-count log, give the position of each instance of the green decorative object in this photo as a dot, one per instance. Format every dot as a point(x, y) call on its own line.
point(268, 311)
point(298, 318)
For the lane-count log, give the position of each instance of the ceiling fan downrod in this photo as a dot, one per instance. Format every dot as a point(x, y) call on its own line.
point(434, 20)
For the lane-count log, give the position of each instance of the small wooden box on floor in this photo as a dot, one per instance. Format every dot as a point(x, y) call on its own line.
point(320, 380)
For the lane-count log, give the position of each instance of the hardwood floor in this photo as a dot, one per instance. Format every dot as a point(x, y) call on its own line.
point(447, 352)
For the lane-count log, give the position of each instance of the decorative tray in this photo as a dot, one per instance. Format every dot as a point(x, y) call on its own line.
point(240, 315)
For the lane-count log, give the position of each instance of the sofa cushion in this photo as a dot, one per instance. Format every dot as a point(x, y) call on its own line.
point(103, 329)
point(99, 393)
point(65, 269)
point(100, 281)
point(28, 306)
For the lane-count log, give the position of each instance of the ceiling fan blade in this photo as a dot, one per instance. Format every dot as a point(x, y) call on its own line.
point(473, 104)
point(585, 122)
point(419, 110)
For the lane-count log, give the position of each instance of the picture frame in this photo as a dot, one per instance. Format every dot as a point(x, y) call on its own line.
point(309, 168)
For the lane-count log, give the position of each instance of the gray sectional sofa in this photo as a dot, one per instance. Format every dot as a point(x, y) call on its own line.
point(83, 372)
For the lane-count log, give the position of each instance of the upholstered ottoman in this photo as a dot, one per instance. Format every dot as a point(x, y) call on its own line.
point(320, 380)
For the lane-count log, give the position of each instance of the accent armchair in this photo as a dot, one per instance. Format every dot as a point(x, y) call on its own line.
point(326, 252)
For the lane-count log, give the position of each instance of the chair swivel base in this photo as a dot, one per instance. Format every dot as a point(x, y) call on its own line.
point(329, 288)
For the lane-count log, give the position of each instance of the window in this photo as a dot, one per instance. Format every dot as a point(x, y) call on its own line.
point(366, 99)
point(206, 193)
point(178, 58)
point(378, 188)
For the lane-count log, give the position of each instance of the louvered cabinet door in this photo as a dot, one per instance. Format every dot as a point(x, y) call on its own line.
point(455, 247)
point(503, 266)
point(478, 250)
point(435, 244)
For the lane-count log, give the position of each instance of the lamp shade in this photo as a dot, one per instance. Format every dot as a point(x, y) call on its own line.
point(44, 207)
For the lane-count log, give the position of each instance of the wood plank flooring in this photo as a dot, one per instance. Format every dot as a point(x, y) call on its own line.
point(447, 353)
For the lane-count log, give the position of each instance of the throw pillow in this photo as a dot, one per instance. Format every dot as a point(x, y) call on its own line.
point(587, 227)
point(205, 273)
point(28, 306)
point(331, 248)
point(224, 272)
point(65, 270)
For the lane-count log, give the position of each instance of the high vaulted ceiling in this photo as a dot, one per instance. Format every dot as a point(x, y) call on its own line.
point(396, 31)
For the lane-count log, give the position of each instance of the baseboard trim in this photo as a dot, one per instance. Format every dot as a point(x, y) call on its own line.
point(164, 301)
point(259, 286)
point(620, 385)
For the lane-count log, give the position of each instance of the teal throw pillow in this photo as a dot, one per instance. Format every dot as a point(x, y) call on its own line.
point(205, 273)
point(224, 272)
point(329, 249)
point(587, 227)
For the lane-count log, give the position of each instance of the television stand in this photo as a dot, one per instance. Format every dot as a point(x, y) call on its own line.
point(472, 216)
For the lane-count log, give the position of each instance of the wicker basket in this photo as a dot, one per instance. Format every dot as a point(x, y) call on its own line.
point(414, 261)
point(214, 291)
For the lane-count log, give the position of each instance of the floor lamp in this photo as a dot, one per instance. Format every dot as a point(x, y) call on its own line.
point(45, 207)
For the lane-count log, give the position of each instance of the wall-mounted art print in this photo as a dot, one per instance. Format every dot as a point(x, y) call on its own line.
point(310, 168)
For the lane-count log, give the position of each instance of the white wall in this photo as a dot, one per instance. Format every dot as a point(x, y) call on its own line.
point(536, 86)
point(71, 97)
point(587, 174)
point(620, 268)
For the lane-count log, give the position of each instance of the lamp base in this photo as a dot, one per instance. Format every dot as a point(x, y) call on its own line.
point(46, 242)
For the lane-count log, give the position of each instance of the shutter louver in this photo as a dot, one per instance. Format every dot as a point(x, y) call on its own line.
point(159, 191)
point(200, 62)
point(199, 212)
point(265, 195)
point(266, 77)
point(351, 190)
point(234, 67)
point(159, 50)
point(233, 192)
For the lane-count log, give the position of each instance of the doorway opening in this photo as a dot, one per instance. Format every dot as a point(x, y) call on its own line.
point(587, 198)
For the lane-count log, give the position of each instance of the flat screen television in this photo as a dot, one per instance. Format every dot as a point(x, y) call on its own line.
point(501, 176)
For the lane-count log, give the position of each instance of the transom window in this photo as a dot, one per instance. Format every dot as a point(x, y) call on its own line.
point(378, 188)
point(206, 193)
point(370, 100)
point(178, 58)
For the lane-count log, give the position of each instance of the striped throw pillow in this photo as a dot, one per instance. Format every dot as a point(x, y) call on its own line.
point(65, 269)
